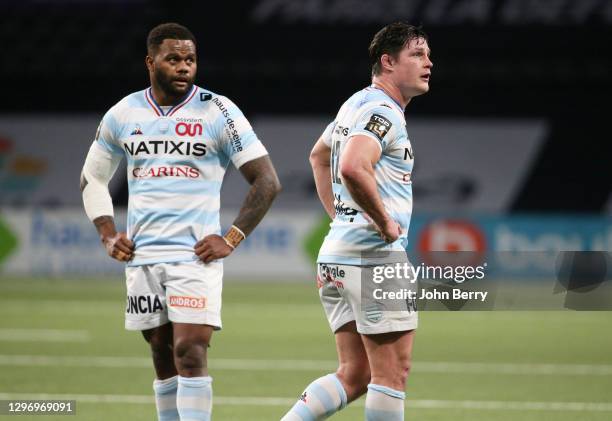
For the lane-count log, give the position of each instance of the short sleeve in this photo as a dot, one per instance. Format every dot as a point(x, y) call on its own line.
point(237, 137)
point(107, 135)
point(380, 123)
point(327, 133)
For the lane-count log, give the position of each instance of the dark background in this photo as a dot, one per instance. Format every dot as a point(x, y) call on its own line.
point(492, 59)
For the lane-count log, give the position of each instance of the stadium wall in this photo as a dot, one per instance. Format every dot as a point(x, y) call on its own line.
point(63, 243)
point(462, 164)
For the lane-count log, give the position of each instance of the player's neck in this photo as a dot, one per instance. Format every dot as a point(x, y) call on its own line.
point(391, 89)
point(162, 98)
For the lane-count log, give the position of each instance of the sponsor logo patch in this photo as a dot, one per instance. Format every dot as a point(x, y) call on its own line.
point(149, 147)
point(188, 302)
point(330, 274)
point(378, 125)
point(231, 131)
point(143, 304)
point(341, 208)
point(188, 129)
point(341, 130)
point(373, 313)
point(183, 171)
point(136, 131)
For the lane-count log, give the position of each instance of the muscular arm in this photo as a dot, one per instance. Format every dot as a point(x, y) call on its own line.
point(264, 187)
point(319, 161)
point(105, 226)
point(357, 162)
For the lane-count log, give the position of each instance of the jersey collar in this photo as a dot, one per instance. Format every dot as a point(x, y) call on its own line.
point(372, 86)
point(159, 111)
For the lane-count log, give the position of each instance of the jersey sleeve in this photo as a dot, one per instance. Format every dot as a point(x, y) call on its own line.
point(380, 123)
point(327, 133)
point(107, 134)
point(238, 140)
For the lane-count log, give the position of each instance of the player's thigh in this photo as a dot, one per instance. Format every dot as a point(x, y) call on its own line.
point(193, 293)
point(192, 334)
point(160, 336)
point(390, 355)
point(161, 340)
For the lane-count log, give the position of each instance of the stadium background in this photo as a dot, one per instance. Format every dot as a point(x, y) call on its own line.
point(512, 152)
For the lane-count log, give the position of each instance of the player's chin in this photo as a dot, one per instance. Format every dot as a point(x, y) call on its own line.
point(181, 88)
point(422, 88)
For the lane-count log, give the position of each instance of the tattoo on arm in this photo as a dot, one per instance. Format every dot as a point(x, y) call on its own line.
point(103, 220)
point(105, 226)
point(265, 186)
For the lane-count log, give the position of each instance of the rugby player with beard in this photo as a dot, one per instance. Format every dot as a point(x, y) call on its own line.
point(178, 140)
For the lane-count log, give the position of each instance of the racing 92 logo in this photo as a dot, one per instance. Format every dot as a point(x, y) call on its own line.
point(188, 129)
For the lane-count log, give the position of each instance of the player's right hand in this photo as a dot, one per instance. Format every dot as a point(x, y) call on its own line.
point(119, 247)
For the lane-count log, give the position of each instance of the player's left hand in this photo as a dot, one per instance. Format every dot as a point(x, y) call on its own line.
point(389, 232)
point(212, 247)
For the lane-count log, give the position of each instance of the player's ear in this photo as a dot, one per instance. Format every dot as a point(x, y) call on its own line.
point(149, 63)
point(387, 61)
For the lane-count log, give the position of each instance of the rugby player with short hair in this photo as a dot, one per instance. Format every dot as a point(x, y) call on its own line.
point(178, 140)
point(362, 165)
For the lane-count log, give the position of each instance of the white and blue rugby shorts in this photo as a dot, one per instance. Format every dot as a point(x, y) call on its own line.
point(182, 292)
point(340, 288)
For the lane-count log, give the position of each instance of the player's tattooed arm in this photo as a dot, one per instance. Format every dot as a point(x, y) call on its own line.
point(265, 186)
point(320, 163)
point(117, 245)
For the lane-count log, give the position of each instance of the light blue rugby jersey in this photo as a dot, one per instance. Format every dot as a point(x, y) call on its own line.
point(369, 112)
point(176, 160)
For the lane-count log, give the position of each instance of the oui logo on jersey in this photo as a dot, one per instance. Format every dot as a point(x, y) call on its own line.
point(189, 127)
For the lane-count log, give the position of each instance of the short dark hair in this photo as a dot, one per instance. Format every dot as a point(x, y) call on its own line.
point(390, 40)
point(167, 31)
